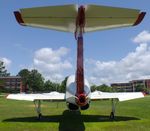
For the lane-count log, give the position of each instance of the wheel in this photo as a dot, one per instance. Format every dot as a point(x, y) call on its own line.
point(40, 116)
point(112, 116)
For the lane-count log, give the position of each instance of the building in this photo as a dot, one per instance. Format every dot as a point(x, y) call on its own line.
point(122, 87)
point(13, 82)
point(144, 83)
point(132, 85)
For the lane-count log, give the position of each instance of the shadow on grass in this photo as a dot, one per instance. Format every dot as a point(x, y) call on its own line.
point(71, 120)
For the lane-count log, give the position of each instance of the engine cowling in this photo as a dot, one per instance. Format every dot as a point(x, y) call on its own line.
point(81, 100)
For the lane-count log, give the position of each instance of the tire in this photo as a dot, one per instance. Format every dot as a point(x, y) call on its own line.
point(112, 116)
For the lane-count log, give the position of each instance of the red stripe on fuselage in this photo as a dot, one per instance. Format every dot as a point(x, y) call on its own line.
point(80, 23)
point(80, 68)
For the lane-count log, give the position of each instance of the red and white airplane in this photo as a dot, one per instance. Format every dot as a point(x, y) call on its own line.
point(78, 20)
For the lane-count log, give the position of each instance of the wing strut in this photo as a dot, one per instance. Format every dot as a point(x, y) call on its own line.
point(37, 104)
point(114, 103)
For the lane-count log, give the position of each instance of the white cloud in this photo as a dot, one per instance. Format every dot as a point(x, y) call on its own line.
point(136, 65)
point(142, 37)
point(51, 63)
point(22, 48)
point(6, 61)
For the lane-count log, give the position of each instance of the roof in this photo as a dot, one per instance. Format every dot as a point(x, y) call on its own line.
point(11, 77)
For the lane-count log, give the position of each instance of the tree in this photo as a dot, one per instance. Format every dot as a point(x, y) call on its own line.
point(63, 85)
point(3, 71)
point(2, 83)
point(49, 86)
point(24, 73)
point(103, 88)
point(55, 86)
point(52, 86)
point(140, 88)
point(93, 88)
point(35, 81)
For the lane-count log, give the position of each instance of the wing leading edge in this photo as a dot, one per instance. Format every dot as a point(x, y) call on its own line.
point(63, 18)
point(97, 95)
point(56, 96)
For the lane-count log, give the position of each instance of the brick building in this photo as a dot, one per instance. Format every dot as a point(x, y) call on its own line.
point(131, 85)
point(10, 82)
point(125, 87)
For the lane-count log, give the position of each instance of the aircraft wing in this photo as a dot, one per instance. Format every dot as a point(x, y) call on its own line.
point(56, 96)
point(97, 95)
point(63, 18)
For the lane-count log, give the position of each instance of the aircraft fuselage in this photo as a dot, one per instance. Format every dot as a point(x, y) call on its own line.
point(78, 89)
point(73, 101)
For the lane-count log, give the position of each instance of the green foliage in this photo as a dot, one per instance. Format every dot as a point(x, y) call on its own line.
point(50, 86)
point(1, 83)
point(62, 87)
point(24, 73)
point(103, 88)
point(9, 90)
point(3, 71)
point(35, 81)
point(147, 90)
point(139, 88)
point(93, 88)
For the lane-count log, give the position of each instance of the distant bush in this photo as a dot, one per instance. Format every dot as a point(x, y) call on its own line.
point(9, 90)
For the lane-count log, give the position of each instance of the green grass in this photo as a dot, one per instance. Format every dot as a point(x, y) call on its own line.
point(21, 116)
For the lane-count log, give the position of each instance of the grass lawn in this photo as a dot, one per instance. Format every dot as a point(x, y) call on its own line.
point(21, 116)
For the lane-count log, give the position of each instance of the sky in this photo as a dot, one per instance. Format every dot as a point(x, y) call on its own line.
point(117, 55)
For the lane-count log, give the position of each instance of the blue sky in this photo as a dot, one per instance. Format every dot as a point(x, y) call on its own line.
point(105, 51)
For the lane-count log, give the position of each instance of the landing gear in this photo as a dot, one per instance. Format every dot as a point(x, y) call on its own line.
point(112, 114)
point(37, 104)
point(40, 116)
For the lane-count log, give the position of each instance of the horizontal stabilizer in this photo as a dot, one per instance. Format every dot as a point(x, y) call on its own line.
point(104, 17)
point(60, 18)
point(63, 18)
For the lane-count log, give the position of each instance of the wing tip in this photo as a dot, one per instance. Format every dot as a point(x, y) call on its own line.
point(7, 96)
point(19, 18)
point(140, 18)
point(144, 94)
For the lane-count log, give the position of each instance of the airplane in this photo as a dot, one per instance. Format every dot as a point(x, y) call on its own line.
point(78, 20)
